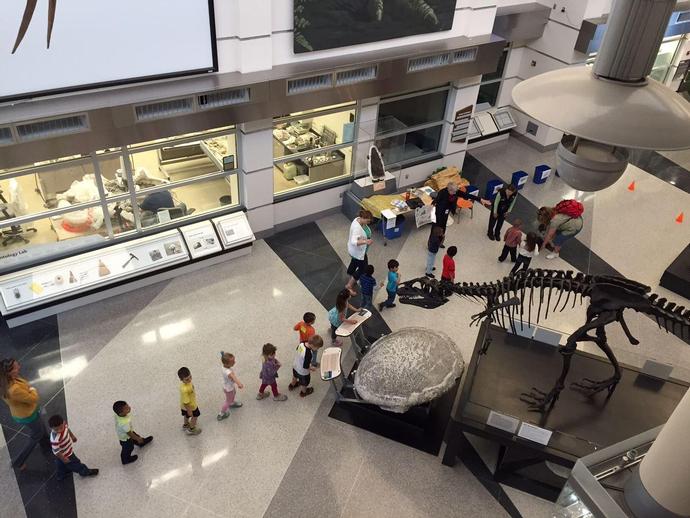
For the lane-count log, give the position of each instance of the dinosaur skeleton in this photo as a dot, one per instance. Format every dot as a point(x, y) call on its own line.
point(506, 302)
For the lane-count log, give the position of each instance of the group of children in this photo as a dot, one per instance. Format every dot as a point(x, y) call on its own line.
point(436, 238)
point(521, 247)
point(62, 439)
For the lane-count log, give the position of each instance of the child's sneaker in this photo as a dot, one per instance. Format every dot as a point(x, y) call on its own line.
point(223, 415)
point(261, 395)
point(236, 404)
point(185, 426)
point(280, 397)
point(552, 255)
point(193, 431)
point(309, 390)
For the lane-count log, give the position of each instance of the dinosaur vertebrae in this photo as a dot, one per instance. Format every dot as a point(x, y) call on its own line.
point(523, 283)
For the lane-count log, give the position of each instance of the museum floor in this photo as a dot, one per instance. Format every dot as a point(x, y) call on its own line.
point(291, 459)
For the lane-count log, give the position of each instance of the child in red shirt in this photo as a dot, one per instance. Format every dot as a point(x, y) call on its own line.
point(306, 331)
point(448, 273)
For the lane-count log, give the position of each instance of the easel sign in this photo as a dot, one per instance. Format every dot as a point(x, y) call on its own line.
point(377, 169)
point(461, 125)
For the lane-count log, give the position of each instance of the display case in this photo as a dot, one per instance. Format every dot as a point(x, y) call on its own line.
point(234, 230)
point(597, 482)
point(61, 279)
point(65, 284)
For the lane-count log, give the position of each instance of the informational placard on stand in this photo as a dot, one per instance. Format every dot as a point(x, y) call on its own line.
point(461, 125)
point(535, 433)
point(201, 239)
point(61, 278)
point(503, 422)
point(234, 229)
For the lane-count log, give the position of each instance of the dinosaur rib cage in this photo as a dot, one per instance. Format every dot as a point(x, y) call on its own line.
point(524, 283)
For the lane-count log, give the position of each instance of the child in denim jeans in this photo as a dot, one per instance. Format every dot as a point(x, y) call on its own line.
point(391, 285)
point(368, 284)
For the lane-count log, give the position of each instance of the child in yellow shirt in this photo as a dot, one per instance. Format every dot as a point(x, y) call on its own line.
point(190, 410)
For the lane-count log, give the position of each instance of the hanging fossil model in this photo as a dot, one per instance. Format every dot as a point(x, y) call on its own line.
point(26, 20)
point(609, 296)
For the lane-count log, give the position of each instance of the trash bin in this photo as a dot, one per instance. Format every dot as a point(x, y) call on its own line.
point(492, 187)
point(519, 179)
point(541, 173)
point(393, 232)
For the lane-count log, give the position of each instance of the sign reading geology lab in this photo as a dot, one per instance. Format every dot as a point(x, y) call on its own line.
point(52, 46)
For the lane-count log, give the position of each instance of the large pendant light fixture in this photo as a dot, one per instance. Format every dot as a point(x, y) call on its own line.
point(612, 106)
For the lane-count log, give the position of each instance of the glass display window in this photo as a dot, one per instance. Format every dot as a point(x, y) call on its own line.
point(45, 186)
point(97, 196)
point(175, 160)
point(409, 127)
point(162, 206)
point(411, 110)
point(312, 149)
point(63, 226)
point(410, 146)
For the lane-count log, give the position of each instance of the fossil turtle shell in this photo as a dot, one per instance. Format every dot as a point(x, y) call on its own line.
point(409, 367)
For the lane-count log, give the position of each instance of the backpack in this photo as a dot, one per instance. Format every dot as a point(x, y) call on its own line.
point(571, 208)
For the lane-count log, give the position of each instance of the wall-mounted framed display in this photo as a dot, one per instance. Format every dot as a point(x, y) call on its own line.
point(234, 230)
point(51, 47)
point(327, 24)
point(60, 279)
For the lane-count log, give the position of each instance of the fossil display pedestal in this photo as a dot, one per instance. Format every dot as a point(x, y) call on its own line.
point(579, 424)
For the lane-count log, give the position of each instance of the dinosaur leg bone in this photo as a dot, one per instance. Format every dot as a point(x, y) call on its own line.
point(537, 399)
point(591, 387)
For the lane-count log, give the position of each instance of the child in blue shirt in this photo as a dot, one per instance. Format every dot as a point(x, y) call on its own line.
point(391, 285)
point(368, 285)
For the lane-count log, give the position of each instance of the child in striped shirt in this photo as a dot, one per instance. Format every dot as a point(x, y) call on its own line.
point(62, 442)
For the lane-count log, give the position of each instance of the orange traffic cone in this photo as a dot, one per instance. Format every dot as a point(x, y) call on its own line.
point(679, 219)
point(631, 187)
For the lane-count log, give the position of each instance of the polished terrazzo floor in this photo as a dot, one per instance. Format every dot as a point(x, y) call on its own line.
point(291, 459)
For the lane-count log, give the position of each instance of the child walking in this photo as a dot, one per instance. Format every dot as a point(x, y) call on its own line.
point(435, 242)
point(230, 385)
point(126, 434)
point(511, 239)
point(337, 314)
point(301, 375)
point(368, 285)
point(391, 285)
point(528, 248)
point(62, 442)
point(189, 408)
point(306, 330)
point(269, 372)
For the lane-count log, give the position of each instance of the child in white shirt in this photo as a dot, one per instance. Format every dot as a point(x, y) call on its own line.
point(528, 248)
point(230, 385)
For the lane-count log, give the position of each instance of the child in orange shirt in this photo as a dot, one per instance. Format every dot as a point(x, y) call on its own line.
point(306, 331)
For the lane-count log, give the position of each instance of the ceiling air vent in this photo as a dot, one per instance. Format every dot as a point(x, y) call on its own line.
point(6, 137)
point(465, 55)
point(161, 110)
point(309, 84)
point(427, 62)
point(52, 128)
point(223, 98)
point(357, 75)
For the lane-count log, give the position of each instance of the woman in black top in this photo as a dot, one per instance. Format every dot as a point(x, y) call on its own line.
point(446, 203)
